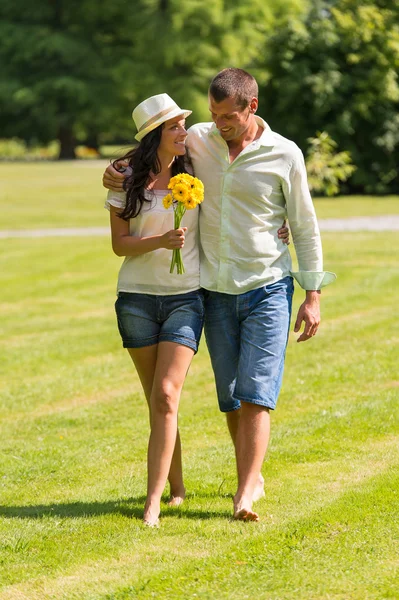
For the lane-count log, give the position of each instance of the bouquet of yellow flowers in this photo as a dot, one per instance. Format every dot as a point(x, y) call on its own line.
point(186, 192)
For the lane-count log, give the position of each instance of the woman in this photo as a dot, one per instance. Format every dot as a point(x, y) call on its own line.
point(160, 315)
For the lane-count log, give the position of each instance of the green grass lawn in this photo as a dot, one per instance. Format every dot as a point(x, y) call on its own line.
point(74, 431)
point(52, 194)
point(70, 194)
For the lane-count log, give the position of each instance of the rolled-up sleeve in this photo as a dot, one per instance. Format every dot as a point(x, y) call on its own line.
point(304, 227)
point(116, 199)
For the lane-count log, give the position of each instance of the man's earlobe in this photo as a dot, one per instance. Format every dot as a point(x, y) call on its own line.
point(253, 107)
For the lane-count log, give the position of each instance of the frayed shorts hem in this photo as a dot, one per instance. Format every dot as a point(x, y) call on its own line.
point(152, 341)
point(266, 404)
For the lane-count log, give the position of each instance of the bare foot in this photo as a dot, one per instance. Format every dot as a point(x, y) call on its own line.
point(243, 511)
point(175, 501)
point(154, 524)
point(259, 491)
point(151, 515)
point(177, 497)
point(245, 514)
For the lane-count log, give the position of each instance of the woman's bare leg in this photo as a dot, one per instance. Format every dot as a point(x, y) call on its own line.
point(145, 360)
point(171, 369)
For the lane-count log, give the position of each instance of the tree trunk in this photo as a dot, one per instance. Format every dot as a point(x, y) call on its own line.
point(67, 143)
point(92, 141)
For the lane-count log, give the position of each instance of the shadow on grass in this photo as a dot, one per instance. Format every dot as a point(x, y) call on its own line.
point(130, 507)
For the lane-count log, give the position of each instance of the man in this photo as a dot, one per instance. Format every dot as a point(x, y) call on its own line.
point(253, 178)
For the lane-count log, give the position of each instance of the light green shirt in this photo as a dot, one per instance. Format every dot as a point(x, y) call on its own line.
point(245, 204)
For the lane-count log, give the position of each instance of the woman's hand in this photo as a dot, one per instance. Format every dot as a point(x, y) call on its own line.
point(173, 239)
point(284, 233)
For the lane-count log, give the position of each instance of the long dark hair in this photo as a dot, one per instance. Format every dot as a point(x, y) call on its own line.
point(144, 159)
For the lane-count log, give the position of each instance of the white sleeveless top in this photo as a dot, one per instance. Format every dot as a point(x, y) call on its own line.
point(149, 273)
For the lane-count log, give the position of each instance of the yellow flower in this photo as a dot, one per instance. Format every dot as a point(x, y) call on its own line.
point(197, 195)
point(167, 201)
point(190, 203)
point(197, 184)
point(176, 180)
point(186, 193)
point(180, 192)
point(187, 189)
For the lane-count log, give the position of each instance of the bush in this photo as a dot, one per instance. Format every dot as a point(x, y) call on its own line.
point(327, 168)
point(16, 149)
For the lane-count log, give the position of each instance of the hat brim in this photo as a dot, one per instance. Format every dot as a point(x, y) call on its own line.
point(173, 113)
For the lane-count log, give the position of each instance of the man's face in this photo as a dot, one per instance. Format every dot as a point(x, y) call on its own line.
point(232, 120)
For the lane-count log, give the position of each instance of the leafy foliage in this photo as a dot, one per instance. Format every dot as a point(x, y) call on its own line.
point(73, 70)
point(337, 70)
point(327, 168)
point(179, 47)
point(59, 77)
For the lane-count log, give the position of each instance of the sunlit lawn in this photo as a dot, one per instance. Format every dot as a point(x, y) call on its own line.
point(70, 194)
point(74, 430)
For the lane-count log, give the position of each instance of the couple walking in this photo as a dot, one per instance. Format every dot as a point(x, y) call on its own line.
point(237, 282)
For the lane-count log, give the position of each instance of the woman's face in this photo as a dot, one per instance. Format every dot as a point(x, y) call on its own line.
point(173, 139)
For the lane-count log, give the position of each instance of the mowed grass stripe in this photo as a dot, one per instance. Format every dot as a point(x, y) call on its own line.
point(74, 436)
point(289, 484)
point(266, 556)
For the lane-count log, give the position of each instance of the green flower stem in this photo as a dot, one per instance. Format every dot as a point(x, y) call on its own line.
point(177, 260)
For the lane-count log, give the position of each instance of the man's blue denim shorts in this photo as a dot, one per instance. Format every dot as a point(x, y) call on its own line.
point(247, 336)
point(146, 319)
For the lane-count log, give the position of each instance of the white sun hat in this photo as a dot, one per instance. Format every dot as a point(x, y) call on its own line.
point(153, 112)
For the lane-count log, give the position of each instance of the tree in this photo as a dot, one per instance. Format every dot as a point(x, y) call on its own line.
point(338, 71)
point(179, 46)
point(61, 60)
point(75, 69)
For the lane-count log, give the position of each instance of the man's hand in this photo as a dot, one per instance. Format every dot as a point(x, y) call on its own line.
point(284, 233)
point(309, 312)
point(112, 179)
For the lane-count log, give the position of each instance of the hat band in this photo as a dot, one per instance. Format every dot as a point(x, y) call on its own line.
point(155, 118)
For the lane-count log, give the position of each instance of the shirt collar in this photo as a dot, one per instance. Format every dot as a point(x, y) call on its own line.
point(266, 139)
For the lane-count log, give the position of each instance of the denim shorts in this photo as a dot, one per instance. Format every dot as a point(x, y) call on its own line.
point(146, 319)
point(247, 336)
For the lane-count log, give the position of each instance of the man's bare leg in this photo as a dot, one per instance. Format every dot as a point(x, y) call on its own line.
point(233, 419)
point(252, 437)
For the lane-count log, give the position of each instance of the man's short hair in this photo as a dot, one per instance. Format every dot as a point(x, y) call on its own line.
point(234, 83)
